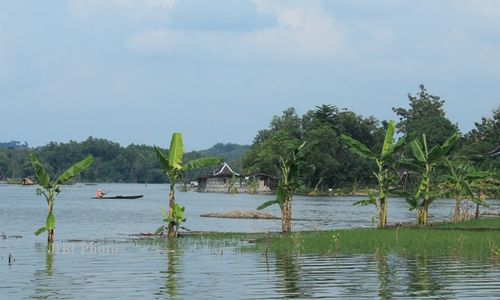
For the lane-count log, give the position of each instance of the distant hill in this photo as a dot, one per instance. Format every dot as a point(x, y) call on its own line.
point(13, 145)
point(230, 152)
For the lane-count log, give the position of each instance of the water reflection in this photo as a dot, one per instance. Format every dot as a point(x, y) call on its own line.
point(423, 281)
point(45, 287)
point(288, 269)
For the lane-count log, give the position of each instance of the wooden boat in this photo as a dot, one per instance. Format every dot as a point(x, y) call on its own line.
point(120, 197)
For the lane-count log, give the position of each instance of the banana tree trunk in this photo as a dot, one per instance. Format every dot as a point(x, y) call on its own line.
point(50, 232)
point(50, 236)
point(457, 217)
point(382, 217)
point(286, 217)
point(171, 196)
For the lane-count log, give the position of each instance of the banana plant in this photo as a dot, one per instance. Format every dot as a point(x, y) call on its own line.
point(50, 188)
point(383, 175)
point(288, 184)
point(425, 161)
point(459, 184)
point(174, 169)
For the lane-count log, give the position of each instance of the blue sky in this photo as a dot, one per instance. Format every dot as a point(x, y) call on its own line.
point(134, 71)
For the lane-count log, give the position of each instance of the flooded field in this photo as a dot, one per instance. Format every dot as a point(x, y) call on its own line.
point(94, 256)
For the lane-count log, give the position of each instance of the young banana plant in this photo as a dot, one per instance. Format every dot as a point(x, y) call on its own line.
point(383, 175)
point(424, 163)
point(174, 169)
point(288, 184)
point(50, 188)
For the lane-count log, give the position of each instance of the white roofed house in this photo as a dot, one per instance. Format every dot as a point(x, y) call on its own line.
point(219, 180)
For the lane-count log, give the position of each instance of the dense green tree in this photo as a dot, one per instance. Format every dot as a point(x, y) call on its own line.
point(425, 116)
point(481, 145)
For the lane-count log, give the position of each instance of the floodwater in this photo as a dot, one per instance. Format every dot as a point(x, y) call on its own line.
point(94, 256)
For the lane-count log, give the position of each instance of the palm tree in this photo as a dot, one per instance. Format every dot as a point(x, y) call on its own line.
point(50, 188)
point(383, 175)
point(288, 184)
point(174, 169)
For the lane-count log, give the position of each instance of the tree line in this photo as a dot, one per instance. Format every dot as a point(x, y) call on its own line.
point(330, 164)
point(112, 162)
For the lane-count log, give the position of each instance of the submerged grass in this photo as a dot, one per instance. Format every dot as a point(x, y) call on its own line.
point(473, 239)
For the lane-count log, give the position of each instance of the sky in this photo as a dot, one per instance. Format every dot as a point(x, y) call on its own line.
point(135, 71)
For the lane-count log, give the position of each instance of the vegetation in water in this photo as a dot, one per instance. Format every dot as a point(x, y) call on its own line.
point(289, 182)
point(50, 188)
point(174, 169)
point(385, 173)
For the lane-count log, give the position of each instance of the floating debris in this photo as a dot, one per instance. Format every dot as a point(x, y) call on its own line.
point(237, 214)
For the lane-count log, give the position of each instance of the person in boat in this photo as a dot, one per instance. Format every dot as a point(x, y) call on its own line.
point(99, 193)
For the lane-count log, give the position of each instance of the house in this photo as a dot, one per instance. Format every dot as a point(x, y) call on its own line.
point(224, 179)
point(220, 180)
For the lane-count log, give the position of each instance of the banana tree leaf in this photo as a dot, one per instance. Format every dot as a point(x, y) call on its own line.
point(408, 164)
point(416, 149)
point(435, 155)
point(388, 140)
point(40, 230)
point(267, 203)
point(175, 151)
point(165, 166)
point(358, 147)
point(202, 162)
point(160, 230)
point(74, 170)
point(449, 143)
point(50, 223)
point(41, 176)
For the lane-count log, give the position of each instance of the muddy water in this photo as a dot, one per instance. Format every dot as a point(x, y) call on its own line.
point(94, 257)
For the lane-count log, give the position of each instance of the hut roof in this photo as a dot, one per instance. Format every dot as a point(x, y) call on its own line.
point(224, 170)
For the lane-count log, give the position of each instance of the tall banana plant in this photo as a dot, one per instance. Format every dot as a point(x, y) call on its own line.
point(288, 184)
point(424, 162)
point(50, 188)
point(383, 174)
point(174, 169)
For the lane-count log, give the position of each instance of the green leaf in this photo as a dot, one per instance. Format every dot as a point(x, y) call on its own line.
point(175, 151)
point(165, 166)
point(267, 203)
point(74, 170)
point(358, 147)
point(50, 222)
point(40, 230)
point(416, 149)
point(388, 140)
point(202, 162)
point(164, 212)
point(42, 177)
point(160, 230)
point(449, 143)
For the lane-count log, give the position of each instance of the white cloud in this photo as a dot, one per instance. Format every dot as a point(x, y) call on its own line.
point(302, 30)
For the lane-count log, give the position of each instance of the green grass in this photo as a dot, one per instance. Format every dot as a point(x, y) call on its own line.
point(473, 239)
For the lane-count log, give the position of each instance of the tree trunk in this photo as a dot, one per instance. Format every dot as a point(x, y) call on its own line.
point(50, 236)
point(456, 214)
point(286, 217)
point(477, 211)
point(382, 217)
point(171, 196)
point(425, 213)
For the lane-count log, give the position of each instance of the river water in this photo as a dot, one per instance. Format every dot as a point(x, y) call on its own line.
point(94, 256)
